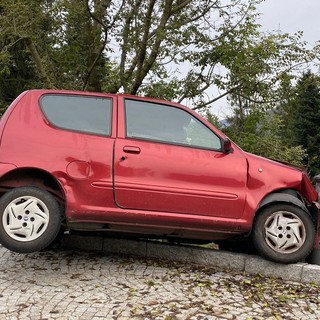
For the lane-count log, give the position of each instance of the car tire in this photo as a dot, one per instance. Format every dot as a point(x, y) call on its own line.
point(283, 233)
point(30, 219)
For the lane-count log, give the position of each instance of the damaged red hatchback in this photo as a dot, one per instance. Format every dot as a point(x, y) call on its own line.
point(121, 163)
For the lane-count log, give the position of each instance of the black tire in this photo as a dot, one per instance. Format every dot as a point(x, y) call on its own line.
point(283, 233)
point(30, 219)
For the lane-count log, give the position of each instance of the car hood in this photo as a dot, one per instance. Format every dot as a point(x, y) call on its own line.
point(274, 175)
point(291, 165)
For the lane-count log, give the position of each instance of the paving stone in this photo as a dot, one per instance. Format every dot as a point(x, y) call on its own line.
point(66, 285)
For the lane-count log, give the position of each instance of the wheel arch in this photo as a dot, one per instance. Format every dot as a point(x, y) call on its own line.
point(283, 196)
point(292, 197)
point(32, 177)
point(289, 196)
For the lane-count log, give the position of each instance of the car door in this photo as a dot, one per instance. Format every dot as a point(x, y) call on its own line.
point(167, 160)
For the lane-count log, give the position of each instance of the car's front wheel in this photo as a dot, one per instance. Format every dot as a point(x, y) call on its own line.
point(30, 219)
point(283, 233)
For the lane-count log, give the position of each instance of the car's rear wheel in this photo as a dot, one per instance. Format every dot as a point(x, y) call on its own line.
point(30, 219)
point(284, 233)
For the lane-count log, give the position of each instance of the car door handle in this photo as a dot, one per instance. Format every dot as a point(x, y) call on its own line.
point(131, 149)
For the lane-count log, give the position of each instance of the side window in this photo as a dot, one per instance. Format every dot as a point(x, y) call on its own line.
point(152, 121)
point(79, 113)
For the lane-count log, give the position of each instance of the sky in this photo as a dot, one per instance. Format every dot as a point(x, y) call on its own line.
point(288, 16)
point(291, 16)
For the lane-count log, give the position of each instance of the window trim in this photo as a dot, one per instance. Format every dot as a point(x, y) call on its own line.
point(75, 130)
point(168, 142)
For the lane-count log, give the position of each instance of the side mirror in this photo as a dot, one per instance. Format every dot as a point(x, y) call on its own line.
point(226, 146)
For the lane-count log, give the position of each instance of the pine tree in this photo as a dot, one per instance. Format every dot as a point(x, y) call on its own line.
point(306, 119)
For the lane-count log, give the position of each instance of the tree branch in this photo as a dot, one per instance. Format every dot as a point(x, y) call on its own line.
point(155, 49)
point(37, 60)
point(106, 29)
point(215, 99)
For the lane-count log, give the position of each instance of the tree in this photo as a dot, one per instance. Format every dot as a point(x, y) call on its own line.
point(17, 70)
point(303, 114)
point(259, 131)
point(16, 73)
point(171, 49)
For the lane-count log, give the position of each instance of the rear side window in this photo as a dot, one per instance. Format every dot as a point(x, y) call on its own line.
point(79, 113)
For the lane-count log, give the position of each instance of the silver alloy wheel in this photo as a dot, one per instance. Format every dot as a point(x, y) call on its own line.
point(25, 218)
point(284, 232)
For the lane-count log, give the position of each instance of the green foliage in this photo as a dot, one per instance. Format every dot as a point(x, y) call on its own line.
point(160, 89)
point(139, 46)
point(302, 113)
point(259, 132)
point(213, 119)
point(17, 73)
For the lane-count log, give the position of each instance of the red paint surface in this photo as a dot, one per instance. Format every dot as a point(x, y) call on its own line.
point(162, 188)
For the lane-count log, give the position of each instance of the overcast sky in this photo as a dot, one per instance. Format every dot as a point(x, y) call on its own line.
point(288, 16)
point(292, 16)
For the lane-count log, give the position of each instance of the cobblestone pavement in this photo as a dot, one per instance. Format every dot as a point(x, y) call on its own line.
point(67, 285)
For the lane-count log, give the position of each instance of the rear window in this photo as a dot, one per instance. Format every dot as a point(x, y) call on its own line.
point(78, 113)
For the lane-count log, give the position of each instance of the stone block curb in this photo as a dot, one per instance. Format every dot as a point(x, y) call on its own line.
point(300, 272)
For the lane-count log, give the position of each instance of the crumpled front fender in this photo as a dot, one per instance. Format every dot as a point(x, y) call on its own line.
point(315, 212)
point(283, 197)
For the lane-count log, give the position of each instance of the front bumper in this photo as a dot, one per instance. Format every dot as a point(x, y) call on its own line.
point(316, 216)
point(317, 180)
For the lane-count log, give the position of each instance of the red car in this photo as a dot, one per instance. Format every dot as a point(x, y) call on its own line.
point(122, 163)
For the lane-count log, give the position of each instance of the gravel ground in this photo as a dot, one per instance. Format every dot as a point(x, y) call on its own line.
point(69, 285)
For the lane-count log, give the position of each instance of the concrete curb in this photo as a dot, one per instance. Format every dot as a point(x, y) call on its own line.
point(300, 272)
